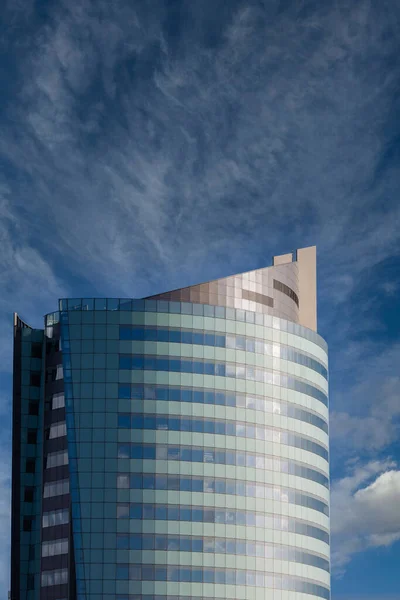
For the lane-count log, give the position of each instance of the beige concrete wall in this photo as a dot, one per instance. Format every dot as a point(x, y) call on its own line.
point(307, 265)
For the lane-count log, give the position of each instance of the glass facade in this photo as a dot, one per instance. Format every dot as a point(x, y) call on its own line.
point(180, 447)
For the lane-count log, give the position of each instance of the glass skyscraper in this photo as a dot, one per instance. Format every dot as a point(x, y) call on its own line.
point(175, 447)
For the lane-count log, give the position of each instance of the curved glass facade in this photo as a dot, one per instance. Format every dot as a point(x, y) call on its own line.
point(195, 455)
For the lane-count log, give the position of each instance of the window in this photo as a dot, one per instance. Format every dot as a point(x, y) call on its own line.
point(56, 488)
point(27, 524)
point(55, 517)
point(36, 350)
point(33, 408)
point(57, 459)
point(30, 465)
point(28, 494)
point(32, 436)
point(30, 582)
point(55, 577)
point(57, 430)
point(35, 379)
point(55, 547)
point(58, 401)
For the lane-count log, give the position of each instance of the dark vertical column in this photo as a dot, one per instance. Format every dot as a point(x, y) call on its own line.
point(16, 464)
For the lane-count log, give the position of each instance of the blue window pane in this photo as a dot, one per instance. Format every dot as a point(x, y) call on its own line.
point(188, 455)
point(148, 511)
point(136, 451)
point(125, 333)
point(135, 542)
point(220, 370)
point(174, 365)
point(125, 362)
point(186, 366)
point(185, 544)
point(186, 395)
point(220, 341)
point(198, 397)
point(162, 364)
point(149, 452)
point(197, 485)
point(209, 369)
point(209, 398)
point(137, 422)
point(137, 392)
point(163, 335)
point(150, 335)
point(173, 513)
point(124, 451)
point(149, 482)
point(124, 391)
point(137, 333)
point(186, 337)
point(150, 363)
point(185, 514)
point(161, 512)
point(147, 542)
point(123, 541)
point(175, 336)
point(197, 515)
point(136, 482)
point(124, 421)
point(209, 426)
point(135, 511)
point(198, 367)
point(162, 393)
point(198, 338)
point(137, 363)
point(220, 399)
point(149, 422)
point(122, 572)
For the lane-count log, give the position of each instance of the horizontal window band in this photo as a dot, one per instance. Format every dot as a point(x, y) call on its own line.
point(202, 514)
point(235, 458)
point(143, 306)
point(219, 340)
point(207, 545)
point(137, 572)
point(221, 398)
point(223, 427)
point(219, 485)
point(219, 369)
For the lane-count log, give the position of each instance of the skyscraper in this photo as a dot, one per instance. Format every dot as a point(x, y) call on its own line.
point(175, 447)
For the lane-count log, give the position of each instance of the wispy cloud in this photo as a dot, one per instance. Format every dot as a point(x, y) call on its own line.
point(147, 147)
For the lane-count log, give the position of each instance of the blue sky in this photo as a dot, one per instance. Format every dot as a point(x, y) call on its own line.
point(154, 144)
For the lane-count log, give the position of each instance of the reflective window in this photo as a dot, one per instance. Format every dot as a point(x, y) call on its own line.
point(55, 577)
point(200, 337)
point(58, 401)
point(220, 427)
point(55, 547)
point(221, 398)
point(224, 457)
point(157, 363)
point(213, 545)
point(56, 488)
point(57, 459)
point(219, 576)
point(57, 430)
point(152, 481)
point(285, 289)
point(55, 517)
point(229, 517)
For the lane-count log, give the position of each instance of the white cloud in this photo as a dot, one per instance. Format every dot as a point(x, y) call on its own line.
point(365, 511)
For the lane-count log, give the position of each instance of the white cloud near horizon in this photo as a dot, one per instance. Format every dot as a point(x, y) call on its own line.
point(365, 511)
